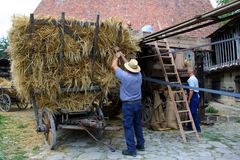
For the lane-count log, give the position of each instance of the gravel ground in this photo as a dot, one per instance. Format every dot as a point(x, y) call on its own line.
point(220, 142)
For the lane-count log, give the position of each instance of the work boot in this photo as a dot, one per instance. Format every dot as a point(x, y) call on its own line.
point(127, 153)
point(140, 148)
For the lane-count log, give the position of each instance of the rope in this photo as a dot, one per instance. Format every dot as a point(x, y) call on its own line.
point(194, 47)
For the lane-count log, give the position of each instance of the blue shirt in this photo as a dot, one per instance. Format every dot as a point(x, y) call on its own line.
point(130, 85)
point(193, 82)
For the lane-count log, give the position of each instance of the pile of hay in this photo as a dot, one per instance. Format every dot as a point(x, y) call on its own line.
point(4, 83)
point(46, 75)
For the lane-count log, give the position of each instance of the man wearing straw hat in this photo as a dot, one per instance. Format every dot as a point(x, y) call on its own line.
point(130, 95)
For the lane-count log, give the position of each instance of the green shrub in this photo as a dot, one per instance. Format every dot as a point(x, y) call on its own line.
point(211, 109)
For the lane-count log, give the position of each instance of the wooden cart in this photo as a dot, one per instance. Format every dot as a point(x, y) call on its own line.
point(7, 99)
point(91, 120)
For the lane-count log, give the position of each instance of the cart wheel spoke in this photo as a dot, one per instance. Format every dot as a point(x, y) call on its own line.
point(50, 133)
point(46, 121)
point(50, 136)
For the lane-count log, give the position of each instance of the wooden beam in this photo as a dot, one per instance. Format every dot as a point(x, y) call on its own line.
point(55, 22)
point(184, 42)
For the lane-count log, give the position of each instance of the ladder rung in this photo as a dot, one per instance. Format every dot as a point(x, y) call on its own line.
point(163, 49)
point(171, 73)
point(186, 121)
point(189, 132)
point(182, 111)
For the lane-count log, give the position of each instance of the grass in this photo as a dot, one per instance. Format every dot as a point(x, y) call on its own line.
point(22, 126)
point(2, 146)
point(210, 109)
point(238, 120)
point(9, 148)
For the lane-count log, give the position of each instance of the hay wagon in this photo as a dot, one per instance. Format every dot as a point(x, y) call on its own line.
point(90, 117)
point(92, 120)
point(8, 97)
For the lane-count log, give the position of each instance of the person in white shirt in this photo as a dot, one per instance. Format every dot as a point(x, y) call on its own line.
point(193, 100)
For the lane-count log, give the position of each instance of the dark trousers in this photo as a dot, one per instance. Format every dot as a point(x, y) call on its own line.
point(132, 124)
point(194, 102)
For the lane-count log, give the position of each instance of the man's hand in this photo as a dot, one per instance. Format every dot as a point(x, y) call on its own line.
point(116, 49)
point(115, 59)
point(118, 54)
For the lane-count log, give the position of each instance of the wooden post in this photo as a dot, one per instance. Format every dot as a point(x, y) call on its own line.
point(61, 52)
point(229, 50)
point(31, 30)
point(38, 117)
point(237, 41)
point(199, 64)
point(233, 47)
point(94, 49)
point(221, 51)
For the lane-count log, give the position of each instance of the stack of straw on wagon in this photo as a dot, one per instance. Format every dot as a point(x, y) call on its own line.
point(35, 63)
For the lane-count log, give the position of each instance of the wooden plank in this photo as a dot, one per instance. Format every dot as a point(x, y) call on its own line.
point(233, 47)
point(221, 50)
point(209, 59)
point(72, 127)
point(31, 30)
point(230, 47)
point(61, 52)
point(217, 54)
point(72, 34)
point(184, 42)
point(236, 34)
point(225, 48)
point(54, 22)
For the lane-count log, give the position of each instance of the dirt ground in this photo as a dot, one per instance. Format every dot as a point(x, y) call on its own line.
point(19, 140)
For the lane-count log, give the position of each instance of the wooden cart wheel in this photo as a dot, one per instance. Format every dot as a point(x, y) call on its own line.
point(99, 132)
point(50, 133)
point(22, 105)
point(147, 111)
point(5, 102)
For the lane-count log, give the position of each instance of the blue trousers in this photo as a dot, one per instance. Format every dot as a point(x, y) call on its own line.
point(194, 102)
point(132, 124)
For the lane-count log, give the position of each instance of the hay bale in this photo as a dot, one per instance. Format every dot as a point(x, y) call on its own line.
point(8, 84)
point(77, 61)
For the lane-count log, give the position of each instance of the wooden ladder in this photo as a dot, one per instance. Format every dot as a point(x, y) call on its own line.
point(167, 61)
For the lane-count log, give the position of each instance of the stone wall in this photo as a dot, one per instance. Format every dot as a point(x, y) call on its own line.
point(227, 80)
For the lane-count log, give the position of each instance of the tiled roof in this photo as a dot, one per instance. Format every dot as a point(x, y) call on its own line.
point(139, 12)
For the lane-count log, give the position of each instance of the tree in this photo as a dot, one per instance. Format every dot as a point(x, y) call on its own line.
point(222, 2)
point(3, 46)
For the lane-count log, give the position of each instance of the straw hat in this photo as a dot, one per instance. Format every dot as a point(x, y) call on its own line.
point(132, 66)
